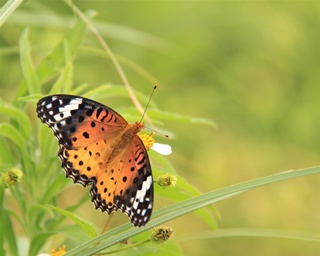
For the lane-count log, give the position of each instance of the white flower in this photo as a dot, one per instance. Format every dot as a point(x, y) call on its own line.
point(149, 143)
point(162, 149)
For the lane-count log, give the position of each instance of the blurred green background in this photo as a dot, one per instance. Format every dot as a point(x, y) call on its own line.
point(251, 66)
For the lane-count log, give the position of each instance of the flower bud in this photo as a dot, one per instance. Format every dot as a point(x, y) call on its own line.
point(161, 234)
point(10, 177)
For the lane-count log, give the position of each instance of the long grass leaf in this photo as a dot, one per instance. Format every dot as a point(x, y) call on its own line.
point(7, 9)
point(124, 232)
point(251, 232)
point(20, 117)
point(9, 233)
point(30, 76)
point(79, 221)
point(56, 60)
point(11, 132)
point(64, 82)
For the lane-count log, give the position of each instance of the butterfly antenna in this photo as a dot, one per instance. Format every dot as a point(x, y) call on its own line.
point(148, 128)
point(145, 110)
point(154, 131)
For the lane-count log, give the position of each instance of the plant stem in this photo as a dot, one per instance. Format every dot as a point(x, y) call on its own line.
point(126, 248)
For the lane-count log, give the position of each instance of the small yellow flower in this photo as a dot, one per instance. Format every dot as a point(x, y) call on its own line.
point(161, 234)
point(149, 143)
point(61, 251)
point(167, 180)
point(147, 140)
point(10, 177)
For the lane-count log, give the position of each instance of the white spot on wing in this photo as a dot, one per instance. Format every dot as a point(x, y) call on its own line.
point(135, 204)
point(142, 193)
point(57, 117)
point(74, 104)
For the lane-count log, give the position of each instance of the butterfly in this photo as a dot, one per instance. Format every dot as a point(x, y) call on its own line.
point(98, 147)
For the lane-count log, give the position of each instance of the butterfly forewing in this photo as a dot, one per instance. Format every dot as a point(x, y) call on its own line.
point(77, 121)
point(99, 147)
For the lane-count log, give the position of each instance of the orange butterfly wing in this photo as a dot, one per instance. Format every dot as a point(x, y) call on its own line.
point(98, 147)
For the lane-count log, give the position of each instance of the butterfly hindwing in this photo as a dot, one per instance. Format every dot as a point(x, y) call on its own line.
point(84, 165)
point(99, 148)
point(126, 184)
point(134, 193)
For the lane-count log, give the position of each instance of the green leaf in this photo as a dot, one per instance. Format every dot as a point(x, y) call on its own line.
point(64, 83)
point(38, 242)
point(56, 60)
point(78, 89)
point(110, 91)
point(21, 118)
point(79, 221)
point(103, 89)
point(14, 215)
point(75, 233)
point(30, 98)
point(156, 115)
point(38, 212)
point(85, 198)
point(30, 76)
point(169, 249)
point(163, 215)
point(6, 156)
point(54, 188)
point(162, 160)
point(183, 191)
point(47, 144)
point(250, 232)
point(9, 233)
point(163, 115)
point(7, 9)
point(11, 132)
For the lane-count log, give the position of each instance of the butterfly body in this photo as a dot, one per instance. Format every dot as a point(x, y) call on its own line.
point(99, 148)
point(124, 139)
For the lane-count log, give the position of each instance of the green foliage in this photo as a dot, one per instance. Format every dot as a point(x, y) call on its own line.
point(34, 150)
point(32, 209)
point(87, 227)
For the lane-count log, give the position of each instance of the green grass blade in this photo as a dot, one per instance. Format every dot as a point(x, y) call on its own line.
point(38, 242)
point(30, 76)
point(79, 221)
point(11, 132)
point(183, 191)
point(246, 232)
point(6, 156)
point(56, 60)
point(30, 98)
point(163, 115)
point(7, 9)
point(64, 82)
point(124, 232)
point(20, 117)
point(9, 233)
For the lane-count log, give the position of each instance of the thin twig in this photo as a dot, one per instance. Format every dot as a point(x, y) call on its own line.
point(112, 57)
